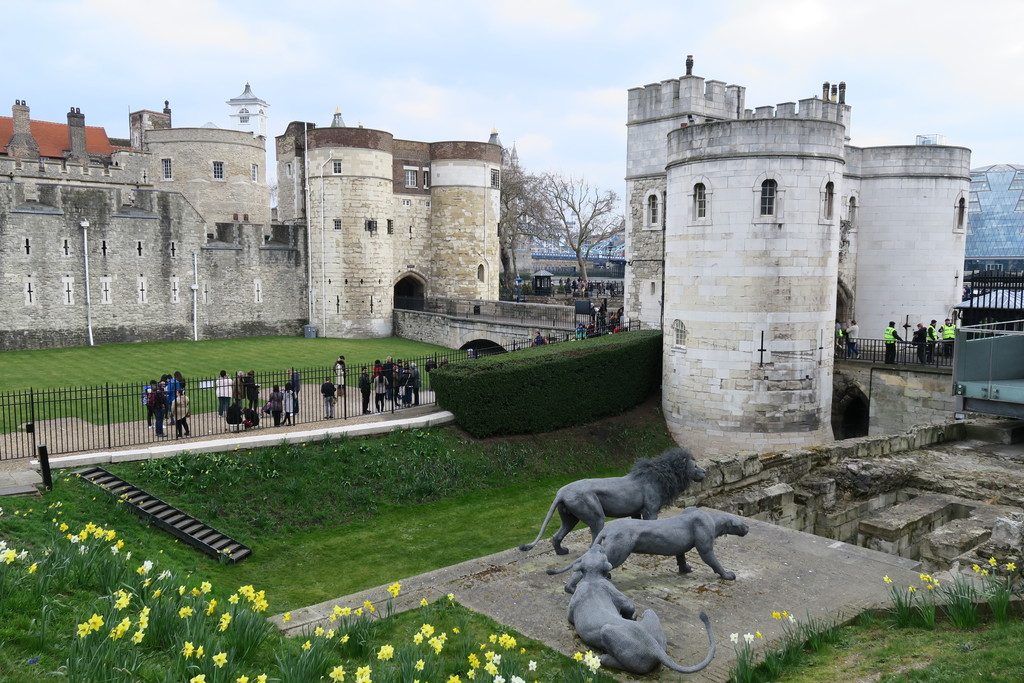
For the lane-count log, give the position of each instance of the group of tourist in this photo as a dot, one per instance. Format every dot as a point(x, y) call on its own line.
point(242, 404)
point(927, 340)
point(167, 399)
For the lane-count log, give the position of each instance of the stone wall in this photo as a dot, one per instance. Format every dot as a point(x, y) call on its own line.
point(140, 253)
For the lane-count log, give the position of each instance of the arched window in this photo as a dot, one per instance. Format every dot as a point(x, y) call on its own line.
point(679, 328)
point(700, 201)
point(851, 211)
point(652, 210)
point(768, 191)
point(480, 272)
point(830, 198)
point(961, 213)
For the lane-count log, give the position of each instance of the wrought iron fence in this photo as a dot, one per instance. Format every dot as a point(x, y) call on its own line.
point(77, 419)
point(935, 354)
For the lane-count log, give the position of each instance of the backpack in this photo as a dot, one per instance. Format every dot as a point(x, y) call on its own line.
point(156, 398)
point(145, 394)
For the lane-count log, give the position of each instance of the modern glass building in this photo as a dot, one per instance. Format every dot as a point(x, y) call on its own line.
point(995, 219)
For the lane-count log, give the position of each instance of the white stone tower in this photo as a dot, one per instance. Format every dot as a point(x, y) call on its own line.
point(249, 112)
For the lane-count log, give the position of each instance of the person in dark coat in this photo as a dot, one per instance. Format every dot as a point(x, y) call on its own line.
point(252, 390)
point(364, 389)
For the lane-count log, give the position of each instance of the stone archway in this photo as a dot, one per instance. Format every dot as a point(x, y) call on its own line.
point(851, 415)
point(409, 293)
point(482, 347)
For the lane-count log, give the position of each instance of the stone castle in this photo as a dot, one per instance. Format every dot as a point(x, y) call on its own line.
point(751, 231)
point(169, 234)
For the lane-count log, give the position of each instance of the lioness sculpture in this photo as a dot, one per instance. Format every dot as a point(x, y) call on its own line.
point(603, 618)
point(691, 528)
point(651, 485)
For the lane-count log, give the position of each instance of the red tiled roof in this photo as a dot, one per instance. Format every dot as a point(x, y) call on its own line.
point(52, 138)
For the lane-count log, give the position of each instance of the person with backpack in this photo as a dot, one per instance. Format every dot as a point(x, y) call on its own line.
point(158, 403)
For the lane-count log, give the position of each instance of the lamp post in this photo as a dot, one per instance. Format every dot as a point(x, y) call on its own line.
point(519, 285)
point(84, 224)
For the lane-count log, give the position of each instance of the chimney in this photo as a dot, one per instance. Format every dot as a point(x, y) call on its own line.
point(167, 112)
point(689, 65)
point(824, 91)
point(835, 92)
point(76, 136)
point(842, 92)
point(22, 145)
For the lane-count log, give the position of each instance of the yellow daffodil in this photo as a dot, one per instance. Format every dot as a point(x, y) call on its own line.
point(394, 589)
point(318, 631)
point(242, 679)
point(233, 599)
point(201, 678)
point(337, 673)
point(419, 665)
point(220, 659)
point(287, 617)
point(423, 602)
point(306, 645)
point(992, 562)
point(262, 678)
point(185, 612)
point(199, 652)
point(1010, 566)
point(386, 652)
point(188, 650)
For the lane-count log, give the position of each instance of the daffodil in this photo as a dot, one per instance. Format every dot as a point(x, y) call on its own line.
point(1010, 566)
point(992, 562)
point(337, 673)
point(394, 589)
point(386, 652)
point(185, 612)
point(306, 645)
point(287, 617)
point(188, 650)
point(220, 659)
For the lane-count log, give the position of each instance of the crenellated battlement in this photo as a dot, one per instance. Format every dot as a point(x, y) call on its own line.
point(690, 99)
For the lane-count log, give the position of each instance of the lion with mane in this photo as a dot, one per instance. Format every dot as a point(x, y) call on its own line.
point(652, 484)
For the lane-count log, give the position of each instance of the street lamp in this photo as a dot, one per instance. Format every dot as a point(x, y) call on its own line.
point(519, 285)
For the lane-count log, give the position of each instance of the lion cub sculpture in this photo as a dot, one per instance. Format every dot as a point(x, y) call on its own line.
point(651, 485)
point(603, 618)
point(691, 528)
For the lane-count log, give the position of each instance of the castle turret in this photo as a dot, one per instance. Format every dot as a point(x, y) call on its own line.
point(249, 112)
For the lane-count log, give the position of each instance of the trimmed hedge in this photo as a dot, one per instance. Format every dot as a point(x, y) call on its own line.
point(547, 387)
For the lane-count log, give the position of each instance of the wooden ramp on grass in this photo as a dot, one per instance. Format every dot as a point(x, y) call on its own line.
point(169, 518)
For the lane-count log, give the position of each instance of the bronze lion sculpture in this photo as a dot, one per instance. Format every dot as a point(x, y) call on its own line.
point(652, 484)
point(603, 618)
point(692, 528)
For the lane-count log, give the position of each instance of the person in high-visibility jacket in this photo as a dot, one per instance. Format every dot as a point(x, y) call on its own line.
point(891, 337)
point(933, 341)
point(947, 331)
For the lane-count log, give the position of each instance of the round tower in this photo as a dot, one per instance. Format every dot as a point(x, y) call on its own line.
point(464, 195)
point(349, 174)
point(751, 239)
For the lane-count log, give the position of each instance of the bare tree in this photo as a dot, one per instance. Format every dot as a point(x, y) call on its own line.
point(579, 216)
point(521, 211)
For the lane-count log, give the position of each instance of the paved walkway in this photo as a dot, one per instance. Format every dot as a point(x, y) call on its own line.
point(776, 569)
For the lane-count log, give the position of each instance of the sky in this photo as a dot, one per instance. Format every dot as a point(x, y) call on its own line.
point(550, 75)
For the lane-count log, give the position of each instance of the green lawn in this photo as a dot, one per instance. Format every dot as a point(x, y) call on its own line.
point(137, 363)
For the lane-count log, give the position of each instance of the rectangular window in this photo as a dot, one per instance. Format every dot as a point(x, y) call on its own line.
point(495, 178)
point(406, 202)
point(391, 227)
point(336, 168)
point(337, 224)
point(411, 178)
point(426, 180)
point(700, 201)
point(255, 173)
point(288, 170)
point(243, 119)
point(166, 165)
point(768, 198)
point(218, 170)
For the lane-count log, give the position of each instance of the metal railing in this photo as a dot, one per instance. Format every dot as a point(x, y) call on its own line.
point(937, 354)
point(111, 416)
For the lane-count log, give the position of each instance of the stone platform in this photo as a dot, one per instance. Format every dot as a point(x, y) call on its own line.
point(777, 569)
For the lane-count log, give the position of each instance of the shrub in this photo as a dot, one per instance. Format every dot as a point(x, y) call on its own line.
point(553, 386)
